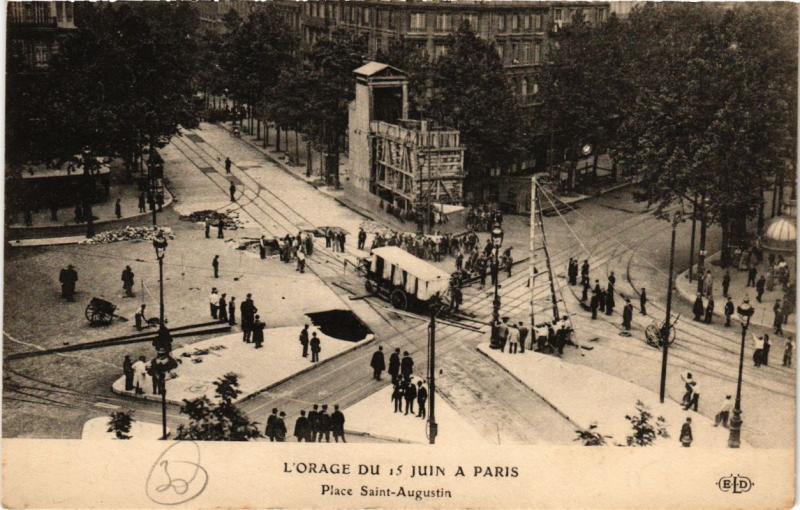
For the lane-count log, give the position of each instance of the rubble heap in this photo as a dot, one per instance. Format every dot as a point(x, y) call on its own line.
point(230, 220)
point(129, 234)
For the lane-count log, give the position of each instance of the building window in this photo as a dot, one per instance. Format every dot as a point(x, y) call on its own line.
point(443, 22)
point(418, 21)
point(501, 23)
point(366, 15)
point(501, 52)
point(514, 54)
point(523, 87)
point(514, 22)
point(535, 89)
point(557, 15)
point(439, 51)
point(472, 20)
point(526, 53)
point(514, 86)
point(537, 53)
point(40, 56)
point(59, 10)
point(603, 15)
point(537, 21)
point(526, 21)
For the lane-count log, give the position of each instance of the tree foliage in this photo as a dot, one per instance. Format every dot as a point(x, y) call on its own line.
point(414, 61)
point(645, 432)
point(218, 420)
point(120, 422)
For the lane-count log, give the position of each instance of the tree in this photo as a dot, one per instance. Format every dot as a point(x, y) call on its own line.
point(591, 436)
point(470, 93)
point(220, 420)
point(120, 424)
point(645, 432)
point(326, 77)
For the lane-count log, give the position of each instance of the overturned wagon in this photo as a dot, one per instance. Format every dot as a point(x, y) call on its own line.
point(403, 279)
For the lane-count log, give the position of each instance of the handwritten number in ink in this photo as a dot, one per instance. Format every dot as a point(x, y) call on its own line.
point(177, 476)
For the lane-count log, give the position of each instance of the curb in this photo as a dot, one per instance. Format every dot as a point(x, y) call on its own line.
point(157, 398)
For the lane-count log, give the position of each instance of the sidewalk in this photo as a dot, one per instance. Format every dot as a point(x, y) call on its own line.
point(586, 396)
point(763, 315)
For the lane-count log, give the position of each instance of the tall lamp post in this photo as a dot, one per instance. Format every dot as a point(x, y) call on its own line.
point(665, 329)
point(745, 312)
point(497, 241)
point(163, 342)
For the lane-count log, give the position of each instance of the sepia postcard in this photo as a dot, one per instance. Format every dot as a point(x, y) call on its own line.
point(400, 254)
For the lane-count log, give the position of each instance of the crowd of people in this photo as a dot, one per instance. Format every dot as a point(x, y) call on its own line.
point(404, 387)
point(314, 427)
point(482, 218)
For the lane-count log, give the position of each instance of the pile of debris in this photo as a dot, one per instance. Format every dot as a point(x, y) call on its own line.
point(129, 234)
point(230, 220)
point(197, 355)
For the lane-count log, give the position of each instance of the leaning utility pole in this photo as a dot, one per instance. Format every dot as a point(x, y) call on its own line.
point(433, 428)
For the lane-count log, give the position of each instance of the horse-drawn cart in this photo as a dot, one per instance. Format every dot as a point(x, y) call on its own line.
point(100, 312)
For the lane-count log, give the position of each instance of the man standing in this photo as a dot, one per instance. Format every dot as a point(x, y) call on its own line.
point(698, 308)
point(594, 304)
point(523, 333)
point(397, 398)
point(68, 277)
point(394, 366)
point(142, 207)
point(262, 247)
point(301, 261)
point(127, 281)
point(118, 208)
point(513, 338)
point(315, 348)
point(728, 312)
point(377, 363)
point(362, 238)
point(585, 268)
point(215, 266)
point(751, 276)
point(686, 433)
point(788, 353)
point(724, 412)
point(778, 320)
point(139, 374)
point(758, 350)
point(610, 299)
point(304, 340)
point(410, 395)
point(248, 311)
point(760, 287)
point(313, 424)
point(220, 227)
point(586, 286)
point(227, 165)
point(337, 424)
point(694, 399)
point(709, 310)
point(612, 281)
point(502, 333)
point(482, 270)
point(270, 429)
point(726, 283)
point(627, 315)
point(232, 190)
point(232, 311)
point(222, 308)
point(207, 224)
point(258, 331)
point(324, 424)
point(643, 302)
point(422, 397)
point(280, 428)
point(406, 366)
point(301, 427)
point(213, 302)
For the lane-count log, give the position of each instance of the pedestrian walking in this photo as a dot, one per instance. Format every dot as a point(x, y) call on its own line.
point(68, 277)
point(643, 302)
point(397, 398)
point(324, 425)
point(207, 225)
point(410, 394)
point(694, 399)
point(422, 398)
point(406, 366)
point(220, 228)
point(788, 352)
point(377, 363)
point(213, 302)
point(258, 331)
point(262, 247)
point(215, 266)
point(227, 165)
point(709, 310)
point(301, 428)
point(777, 322)
point(760, 287)
point(232, 189)
point(686, 433)
point(118, 208)
point(127, 370)
point(751, 276)
point(627, 315)
point(232, 311)
point(304, 340)
point(337, 424)
point(698, 308)
point(394, 366)
point(729, 309)
point(269, 430)
point(315, 347)
point(222, 308)
point(724, 412)
point(301, 262)
point(248, 310)
point(688, 384)
point(139, 375)
point(142, 203)
point(726, 283)
point(127, 281)
point(313, 423)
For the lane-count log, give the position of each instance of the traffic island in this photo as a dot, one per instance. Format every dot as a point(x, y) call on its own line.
point(589, 397)
point(278, 360)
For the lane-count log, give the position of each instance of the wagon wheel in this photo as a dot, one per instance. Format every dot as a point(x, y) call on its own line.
point(90, 312)
point(399, 299)
point(101, 317)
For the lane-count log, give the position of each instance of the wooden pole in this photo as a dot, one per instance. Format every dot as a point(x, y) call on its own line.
point(531, 261)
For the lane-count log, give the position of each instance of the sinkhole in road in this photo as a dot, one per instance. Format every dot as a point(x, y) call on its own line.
point(341, 324)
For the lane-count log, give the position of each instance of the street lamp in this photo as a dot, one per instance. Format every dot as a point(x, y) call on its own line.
point(745, 312)
point(497, 242)
point(665, 329)
point(163, 342)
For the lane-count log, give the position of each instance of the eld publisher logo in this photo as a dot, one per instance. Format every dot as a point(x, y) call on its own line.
point(736, 484)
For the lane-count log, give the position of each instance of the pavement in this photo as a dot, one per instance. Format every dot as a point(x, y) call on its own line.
point(763, 314)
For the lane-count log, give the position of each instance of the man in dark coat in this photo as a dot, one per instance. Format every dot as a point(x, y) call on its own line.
point(751, 276)
point(378, 363)
point(142, 207)
point(220, 227)
point(232, 311)
point(215, 266)
point(232, 189)
point(222, 308)
point(394, 366)
point(709, 310)
point(301, 428)
point(397, 398)
point(362, 238)
point(627, 315)
point(258, 332)
point(270, 429)
point(726, 283)
point(248, 311)
point(227, 165)
point(523, 336)
point(207, 227)
point(127, 281)
point(406, 366)
point(315, 348)
point(610, 299)
point(324, 422)
point(586, 286)
point(686, 434)
point(643, 302)
point(760, 287)
point(118, 208)
point(280, 428)
point(410, 395)
point(313, 423)
point(729, 308)
point(127, 369)
point(422, 397)
point(698, 308)
point(585, 268)
point(304, 340)
point(594, 304)
point(337, 424)
point(68, 277)
point(777, 322)
point(482, 270)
